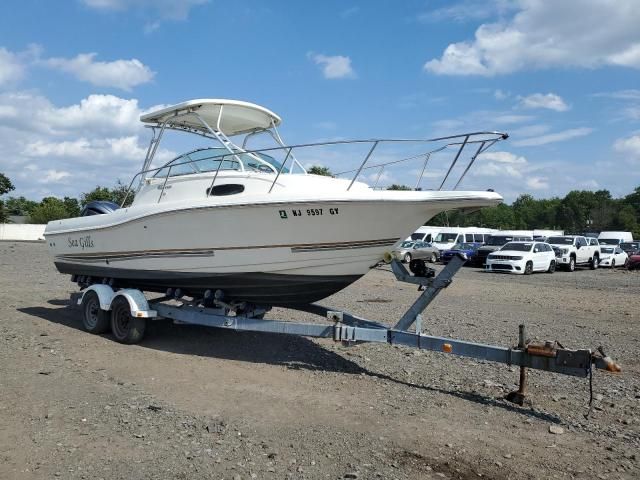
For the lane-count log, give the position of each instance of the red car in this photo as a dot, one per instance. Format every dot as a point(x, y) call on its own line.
point(633, 263)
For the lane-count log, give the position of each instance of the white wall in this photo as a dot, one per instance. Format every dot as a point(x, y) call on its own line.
point(11, 231)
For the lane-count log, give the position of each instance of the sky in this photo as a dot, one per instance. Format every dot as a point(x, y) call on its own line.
point(561, 78)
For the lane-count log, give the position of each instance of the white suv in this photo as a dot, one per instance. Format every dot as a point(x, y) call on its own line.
point(522, 257)
point(573, 250)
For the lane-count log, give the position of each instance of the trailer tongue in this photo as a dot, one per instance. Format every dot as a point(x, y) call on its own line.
point(129, 310)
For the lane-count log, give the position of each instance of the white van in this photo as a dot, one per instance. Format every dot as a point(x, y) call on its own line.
point(448, 236)
point(614, 238)
point(425, 234)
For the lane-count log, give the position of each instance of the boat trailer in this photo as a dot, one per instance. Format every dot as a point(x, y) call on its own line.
point(349, 329)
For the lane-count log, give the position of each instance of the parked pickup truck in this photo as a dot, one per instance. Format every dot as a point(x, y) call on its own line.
point(573, 250)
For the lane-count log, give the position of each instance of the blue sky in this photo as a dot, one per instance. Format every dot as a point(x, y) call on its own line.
point(563, 80)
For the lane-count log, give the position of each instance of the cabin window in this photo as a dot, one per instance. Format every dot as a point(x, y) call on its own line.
point(226, 189)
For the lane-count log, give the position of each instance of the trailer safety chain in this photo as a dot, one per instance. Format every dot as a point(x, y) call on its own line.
point(586, 415)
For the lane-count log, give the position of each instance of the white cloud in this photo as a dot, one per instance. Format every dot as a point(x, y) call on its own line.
point(554, 137)
point(507, 119)
point(467, 10)
point(11, 68)
point(529, 131)
point(538, 183)
point(550, 101)
point(53, 176)
point(167, 9)
point(543, 34)
point(501, 95)
point(630, 94)
point(629, 146)
point(629, 107)
point(91, 151)
point(504, 157)
point(501, 164)
point(103, 115)
point(123, 74)
point(65, 150)
point(334, 67)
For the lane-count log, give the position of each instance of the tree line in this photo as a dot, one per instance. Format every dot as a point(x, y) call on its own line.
point(54, 208)
point(578, 211)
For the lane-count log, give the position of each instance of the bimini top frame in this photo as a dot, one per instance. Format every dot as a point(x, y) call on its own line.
point(219, 119)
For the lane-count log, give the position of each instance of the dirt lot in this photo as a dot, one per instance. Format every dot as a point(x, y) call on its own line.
point(191, 402)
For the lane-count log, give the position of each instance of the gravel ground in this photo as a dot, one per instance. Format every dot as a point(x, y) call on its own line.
point(191, 402)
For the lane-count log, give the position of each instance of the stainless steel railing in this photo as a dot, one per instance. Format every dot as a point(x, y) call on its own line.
point(483, 140)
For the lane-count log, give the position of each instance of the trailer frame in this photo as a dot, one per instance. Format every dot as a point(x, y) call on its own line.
point(213, 311)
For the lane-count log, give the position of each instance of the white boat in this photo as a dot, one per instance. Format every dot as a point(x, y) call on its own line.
point(240, 222)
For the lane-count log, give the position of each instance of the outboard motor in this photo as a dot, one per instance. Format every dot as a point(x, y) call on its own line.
point(98, 207)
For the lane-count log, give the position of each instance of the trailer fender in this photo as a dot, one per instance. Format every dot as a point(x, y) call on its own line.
point(105, 295)
point(137, 302)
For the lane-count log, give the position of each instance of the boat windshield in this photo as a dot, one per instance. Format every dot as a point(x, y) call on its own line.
point(210, 159)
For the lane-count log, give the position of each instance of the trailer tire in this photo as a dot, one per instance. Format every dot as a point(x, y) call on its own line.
point(125, 327)
point(94, 319)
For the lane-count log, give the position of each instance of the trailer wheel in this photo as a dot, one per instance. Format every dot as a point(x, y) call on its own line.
point(94, 319)
point(125, 327)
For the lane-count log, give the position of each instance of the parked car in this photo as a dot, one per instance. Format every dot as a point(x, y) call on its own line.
point(450, 236)
point(409, 250)
point(575, 250)
point(633, 263)
point(494, 243)
point(612, 256)
point(425, 234)
point(615, 238)
point(469, 249)
point(523, 258)
point(630, 247)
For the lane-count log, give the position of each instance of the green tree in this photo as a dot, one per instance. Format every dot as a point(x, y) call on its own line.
point(5, 184)
point(121, 192)
point(19, 206)
point(320, 170)
point(51, 208)
point(72, 206)
point(399, 187)
point(116, 194)
point(98, 193)
point(5, 187)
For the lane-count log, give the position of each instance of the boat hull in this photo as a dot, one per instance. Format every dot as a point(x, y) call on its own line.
point(276, 253)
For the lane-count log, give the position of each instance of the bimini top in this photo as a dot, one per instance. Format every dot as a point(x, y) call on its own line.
point(231, 117)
